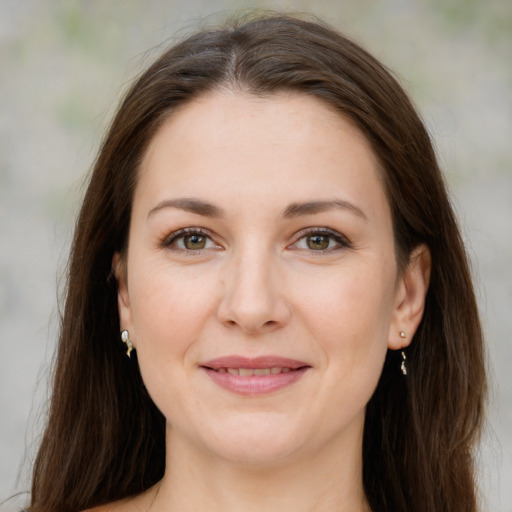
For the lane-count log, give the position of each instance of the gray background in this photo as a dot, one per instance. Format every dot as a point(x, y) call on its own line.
point(63, 67)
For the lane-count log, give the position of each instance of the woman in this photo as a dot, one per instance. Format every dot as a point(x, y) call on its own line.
point(269, 304)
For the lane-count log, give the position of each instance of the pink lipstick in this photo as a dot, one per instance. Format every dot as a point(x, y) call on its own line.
point(254, 376)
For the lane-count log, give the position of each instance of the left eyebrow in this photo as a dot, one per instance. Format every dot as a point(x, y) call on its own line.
point(313, 207)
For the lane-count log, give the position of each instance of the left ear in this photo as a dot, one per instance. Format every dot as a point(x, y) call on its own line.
point(411, 290)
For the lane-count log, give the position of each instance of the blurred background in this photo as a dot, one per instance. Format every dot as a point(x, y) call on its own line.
point(65, 64)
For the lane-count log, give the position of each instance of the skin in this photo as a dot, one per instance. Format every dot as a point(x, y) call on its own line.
point(260, 286)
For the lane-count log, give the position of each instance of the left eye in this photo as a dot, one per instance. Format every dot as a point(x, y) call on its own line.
point(320, 241)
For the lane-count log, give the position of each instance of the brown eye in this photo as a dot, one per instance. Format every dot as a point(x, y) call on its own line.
point(318, 242)
point(194, 242)
point(190, 241)
point(321, 240)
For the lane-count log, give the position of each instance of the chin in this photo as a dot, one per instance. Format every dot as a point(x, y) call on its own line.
point(258, 441)
point(257, 455)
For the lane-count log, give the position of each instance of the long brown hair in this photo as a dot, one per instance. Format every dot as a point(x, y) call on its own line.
point(105, 438)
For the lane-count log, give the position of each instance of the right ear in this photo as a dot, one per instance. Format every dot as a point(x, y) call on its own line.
point(123, 297)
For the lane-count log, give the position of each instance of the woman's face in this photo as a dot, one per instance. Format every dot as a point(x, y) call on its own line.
point(261, 287)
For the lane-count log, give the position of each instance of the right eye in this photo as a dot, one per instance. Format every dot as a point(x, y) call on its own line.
point(190, 240)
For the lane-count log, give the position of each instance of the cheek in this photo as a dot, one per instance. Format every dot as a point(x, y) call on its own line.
point(349, 323)
point(356, 338)
point(169, 308)
point(355, 304)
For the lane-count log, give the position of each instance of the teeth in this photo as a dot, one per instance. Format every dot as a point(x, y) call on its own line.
point(262, 371)
point(248, 372)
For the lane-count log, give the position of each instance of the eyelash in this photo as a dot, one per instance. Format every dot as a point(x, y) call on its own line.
point(182, 233)
point(342, 241)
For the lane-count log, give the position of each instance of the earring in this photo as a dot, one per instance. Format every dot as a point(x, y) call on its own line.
point(402, 366)
point(126, 339)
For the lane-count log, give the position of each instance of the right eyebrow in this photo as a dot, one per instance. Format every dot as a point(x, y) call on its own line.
point(189, 204)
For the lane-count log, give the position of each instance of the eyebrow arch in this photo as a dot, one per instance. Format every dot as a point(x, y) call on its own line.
point(312, 207)
point(189, 204)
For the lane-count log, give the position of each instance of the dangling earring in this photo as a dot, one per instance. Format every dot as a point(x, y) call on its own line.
point(402, 366)
point(126, 339)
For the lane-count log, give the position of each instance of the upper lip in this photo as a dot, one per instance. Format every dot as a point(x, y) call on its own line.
point(255, 363)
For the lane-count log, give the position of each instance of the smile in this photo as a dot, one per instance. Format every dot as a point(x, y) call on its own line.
point(256, 376)
point(247, 372)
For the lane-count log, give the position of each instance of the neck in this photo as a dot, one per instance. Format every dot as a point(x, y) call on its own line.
point(320, 481)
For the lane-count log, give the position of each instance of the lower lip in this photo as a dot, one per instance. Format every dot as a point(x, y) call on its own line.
point(254, 385)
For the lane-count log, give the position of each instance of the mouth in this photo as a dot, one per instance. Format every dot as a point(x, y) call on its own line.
point(248, 372)
point(255, 376)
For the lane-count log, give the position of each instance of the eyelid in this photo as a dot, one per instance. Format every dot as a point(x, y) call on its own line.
point(168, 240)
point(341, 239)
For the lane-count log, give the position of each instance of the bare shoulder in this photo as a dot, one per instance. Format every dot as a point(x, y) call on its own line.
point(139, 503)
point(117, 506)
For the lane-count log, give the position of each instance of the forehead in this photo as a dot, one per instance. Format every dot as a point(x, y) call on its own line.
point(286, 145)
point(213, 118)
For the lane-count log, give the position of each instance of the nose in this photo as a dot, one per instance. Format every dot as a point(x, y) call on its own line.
point(253, 297)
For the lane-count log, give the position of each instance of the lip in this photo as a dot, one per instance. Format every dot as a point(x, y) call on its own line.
point(254, 385)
